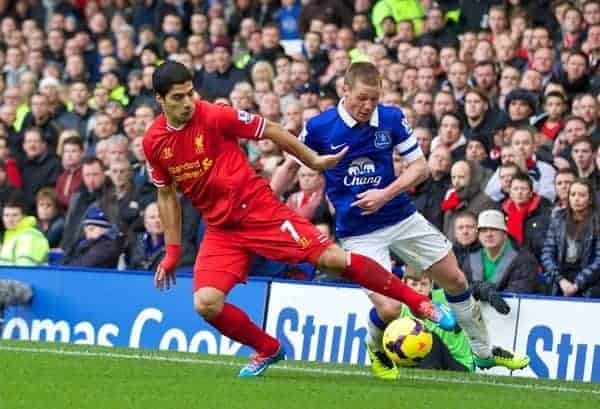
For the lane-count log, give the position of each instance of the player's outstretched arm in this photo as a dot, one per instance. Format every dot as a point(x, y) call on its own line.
point(284, 175)
point(289, 143)
point(170, 217)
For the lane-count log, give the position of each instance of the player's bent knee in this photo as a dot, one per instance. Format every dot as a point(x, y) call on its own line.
point(389, 311)
point(448, 275)
point(208, 302)
point(333, 260)
point(387, 308)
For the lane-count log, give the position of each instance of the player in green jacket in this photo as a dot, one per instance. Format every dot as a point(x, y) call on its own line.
point(451, 349)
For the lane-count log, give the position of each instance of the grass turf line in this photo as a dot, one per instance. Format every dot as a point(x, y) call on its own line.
point(72, 376)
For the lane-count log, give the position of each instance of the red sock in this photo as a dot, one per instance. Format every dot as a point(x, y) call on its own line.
point(235, 324)
point(369, 274)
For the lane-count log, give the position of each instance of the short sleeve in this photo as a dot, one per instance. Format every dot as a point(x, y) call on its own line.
point(238, 124)
point(406, 143)
point(159, 176)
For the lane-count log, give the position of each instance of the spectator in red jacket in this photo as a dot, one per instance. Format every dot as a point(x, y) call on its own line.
point(13, 174)
point(527, 214)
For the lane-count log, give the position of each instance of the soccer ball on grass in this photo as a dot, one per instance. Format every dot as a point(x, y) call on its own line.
point(406, 341)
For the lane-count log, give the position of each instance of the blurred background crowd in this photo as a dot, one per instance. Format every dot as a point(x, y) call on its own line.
point(502, 97)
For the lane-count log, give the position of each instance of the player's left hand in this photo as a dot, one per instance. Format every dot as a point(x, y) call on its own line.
point(323, 162)
point(371, 201)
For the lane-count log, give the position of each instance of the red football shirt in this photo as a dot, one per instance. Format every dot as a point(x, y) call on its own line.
point(205, 161)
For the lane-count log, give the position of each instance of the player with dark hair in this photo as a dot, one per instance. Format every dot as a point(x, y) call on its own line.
point(375, 215)
point(193, 147)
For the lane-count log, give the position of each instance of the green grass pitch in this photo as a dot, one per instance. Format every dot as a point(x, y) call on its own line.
point(62, 376)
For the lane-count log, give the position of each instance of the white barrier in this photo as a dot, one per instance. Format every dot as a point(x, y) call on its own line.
point(562, 337)
point(319, 323)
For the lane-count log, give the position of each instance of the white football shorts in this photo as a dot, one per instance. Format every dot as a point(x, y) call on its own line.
point(415, 240)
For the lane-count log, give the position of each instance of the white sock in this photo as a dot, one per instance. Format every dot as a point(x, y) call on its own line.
point(468, 315)
point(375, 326)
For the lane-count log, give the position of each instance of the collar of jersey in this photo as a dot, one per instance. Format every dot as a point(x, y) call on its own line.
point(351, 122)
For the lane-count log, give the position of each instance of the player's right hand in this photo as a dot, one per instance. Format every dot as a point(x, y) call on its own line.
point(323, 162)
point(164, 276)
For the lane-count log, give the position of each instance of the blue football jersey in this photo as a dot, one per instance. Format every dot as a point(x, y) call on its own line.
point(368, 164)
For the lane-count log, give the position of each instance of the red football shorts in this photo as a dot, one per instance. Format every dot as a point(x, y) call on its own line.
point(271, 230)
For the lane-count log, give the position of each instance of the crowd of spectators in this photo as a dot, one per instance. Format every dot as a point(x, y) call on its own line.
point(502, 97)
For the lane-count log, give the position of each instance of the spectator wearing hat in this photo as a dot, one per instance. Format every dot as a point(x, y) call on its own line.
point(40, 167)
point(478, 150)
point(309, 94)
point(520, 105)
point(220, 83)
point(23, 244)
point(94, 184)
point(499, 265)
point(99, 246)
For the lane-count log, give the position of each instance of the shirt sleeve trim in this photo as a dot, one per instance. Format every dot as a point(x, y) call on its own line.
point(406, 144)
point(412, 154)
point(260, 129)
